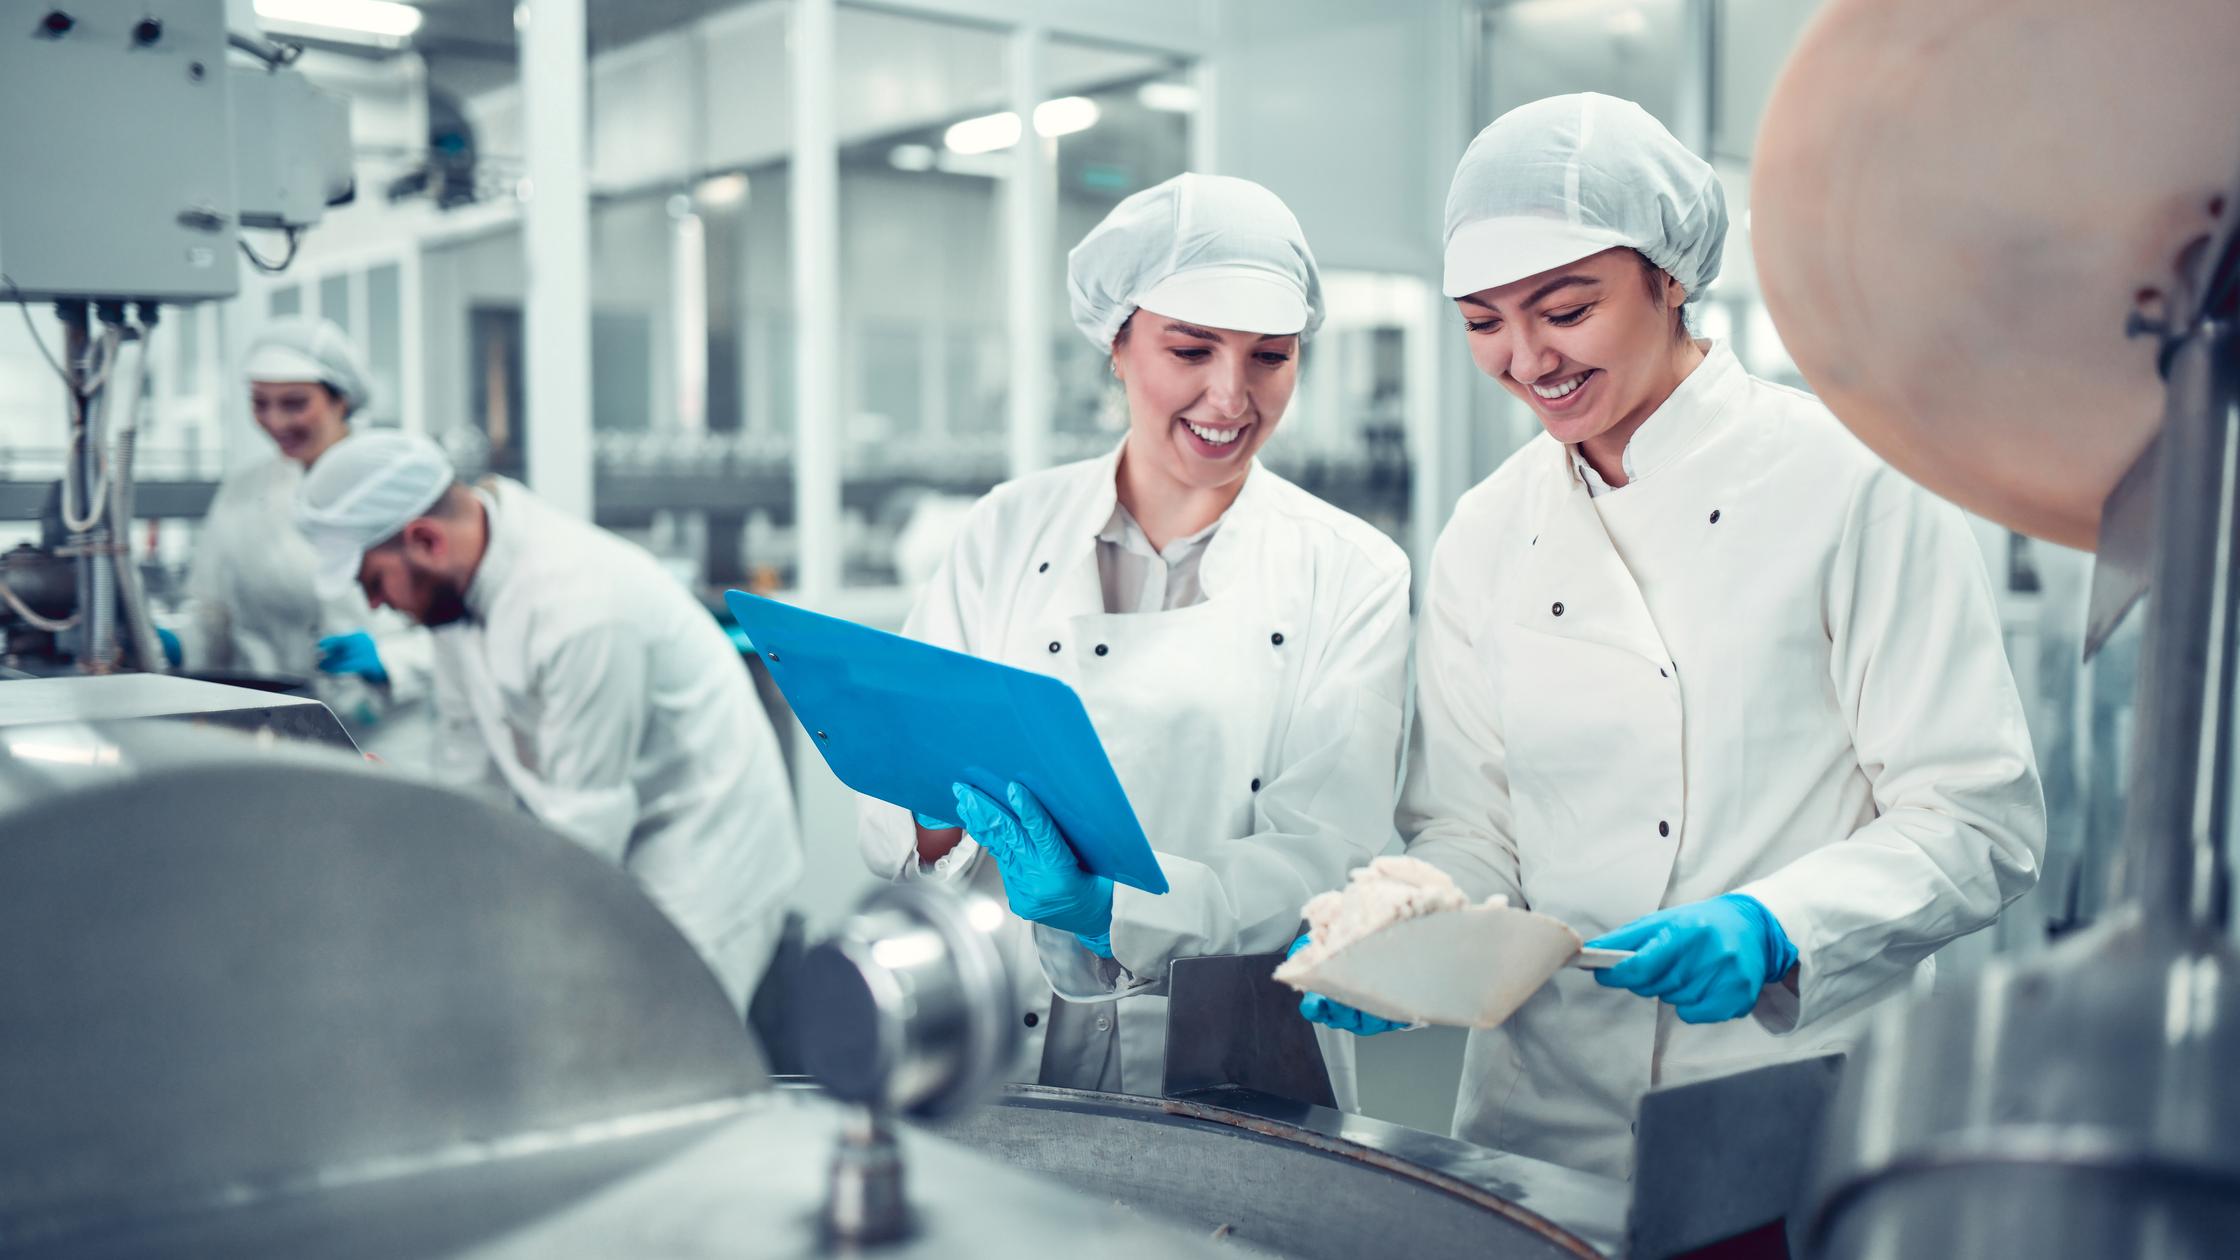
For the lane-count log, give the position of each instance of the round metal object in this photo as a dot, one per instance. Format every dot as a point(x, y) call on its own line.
point(912, 1009)
point(263, 970)
point(1956, 210)
point(1315, 1185)
point(2081, 1104)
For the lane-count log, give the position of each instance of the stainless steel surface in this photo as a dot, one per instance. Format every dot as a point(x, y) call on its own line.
point(907, 1007)
point(1720, 1157)
point(1285, 1178)
point(2123, 560)
point(867, 1198)
point(2082, 1104)
point(739, 1184)
point(162, 697)
point(1230, 1023)
point(261, 971)
point(2173, 833)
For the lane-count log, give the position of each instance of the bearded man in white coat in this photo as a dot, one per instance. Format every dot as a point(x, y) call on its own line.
point(577, 676)
point(1695, 671)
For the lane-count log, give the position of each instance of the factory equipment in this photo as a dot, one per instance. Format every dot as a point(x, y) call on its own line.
point(290, 1004)
point(2032, 307)
point(137, 151)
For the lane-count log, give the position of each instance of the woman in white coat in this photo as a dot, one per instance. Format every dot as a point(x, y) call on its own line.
point(251, 603)
point(1240, 645)
point(1696, 671)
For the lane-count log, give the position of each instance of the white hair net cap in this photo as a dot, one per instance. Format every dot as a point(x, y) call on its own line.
point(1211, 250)
point(1565, 177)
point(300, 348)
point(360, 493)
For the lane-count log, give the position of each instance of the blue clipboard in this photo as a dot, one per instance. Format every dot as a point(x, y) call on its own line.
point(901, 720)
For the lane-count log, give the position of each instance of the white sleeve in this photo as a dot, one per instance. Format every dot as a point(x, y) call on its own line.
point(206, 629)
point(458, 755)
point(1455, 811)
point(1326, 810)
point(1922, 675)
point(592, 687)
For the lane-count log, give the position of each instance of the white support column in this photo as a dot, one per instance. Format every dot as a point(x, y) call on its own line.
point(1697, 57)
point(1030, 211)
point(815, 188)
point(556, 236)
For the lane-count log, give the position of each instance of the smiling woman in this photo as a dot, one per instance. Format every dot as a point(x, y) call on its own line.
point(1587, 346)
point(1240, 645)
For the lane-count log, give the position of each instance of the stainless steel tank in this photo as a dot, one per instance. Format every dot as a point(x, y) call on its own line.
point(282, 1003)
point(1283, 1178)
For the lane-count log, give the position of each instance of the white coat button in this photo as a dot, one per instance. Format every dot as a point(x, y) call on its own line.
point(1033, 1019)
point(1714, 516)
point(1102, 649)
point(1053, 645)
point(1276, 638)
point(1104, 1024)
point(1558, 609)
point(1664, 829)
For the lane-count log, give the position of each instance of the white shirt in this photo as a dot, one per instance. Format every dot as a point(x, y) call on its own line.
point(1770, 665)
point(1082, 1049)
point(590, 684)
point(252, 606)
point(1256, 731)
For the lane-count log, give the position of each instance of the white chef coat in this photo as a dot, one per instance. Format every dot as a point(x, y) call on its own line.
point(252, 606)
point(1768, 665)
point(1257, 732)
point(591, 685)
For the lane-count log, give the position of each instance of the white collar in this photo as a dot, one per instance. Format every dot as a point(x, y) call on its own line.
point(1673, 427)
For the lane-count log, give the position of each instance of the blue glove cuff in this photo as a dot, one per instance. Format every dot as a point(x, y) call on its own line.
point(1780, 953)
point(933, 824)
point(1100, 944)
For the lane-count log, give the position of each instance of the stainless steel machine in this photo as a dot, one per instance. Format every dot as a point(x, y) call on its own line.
point(2001, 243)
point(289, 1004)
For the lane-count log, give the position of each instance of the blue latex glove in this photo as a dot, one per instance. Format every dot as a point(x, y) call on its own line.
point(1042, 879)
point(1709, 959)
point(1333, 1014)
point(172, 653)
point(352, 653)
point(930, 823)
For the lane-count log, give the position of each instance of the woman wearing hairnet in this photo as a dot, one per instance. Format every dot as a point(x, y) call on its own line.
point(1240, 645)
point(1697, 674)
point(251, 605)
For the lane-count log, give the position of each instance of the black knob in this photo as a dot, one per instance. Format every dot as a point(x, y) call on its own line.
point(147, 32)
point(57, 22)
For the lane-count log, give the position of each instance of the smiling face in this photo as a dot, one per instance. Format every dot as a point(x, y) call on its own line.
point(1592, 347)
point(1201, 401)
point(303, 418)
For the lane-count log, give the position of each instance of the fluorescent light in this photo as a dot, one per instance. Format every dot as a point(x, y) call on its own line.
point(383, 22)
point(1065, 116)
point(984, 134)
point(990, 132)
point(911, 157)
point(1168, 98)
point(722, 190)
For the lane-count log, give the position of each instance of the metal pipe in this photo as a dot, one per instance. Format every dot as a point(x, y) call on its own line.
point(2186, 689)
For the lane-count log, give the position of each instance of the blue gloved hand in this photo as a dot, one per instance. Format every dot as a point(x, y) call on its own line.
point(1333, 1014)
point(352, 653)
point(1709, 959)
point(172, 653)
point(1042, 879)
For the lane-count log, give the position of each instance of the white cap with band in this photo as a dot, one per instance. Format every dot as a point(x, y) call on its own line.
point(361, 493)
point(1210, 250)
point(1567, 177)
point(312, 351)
